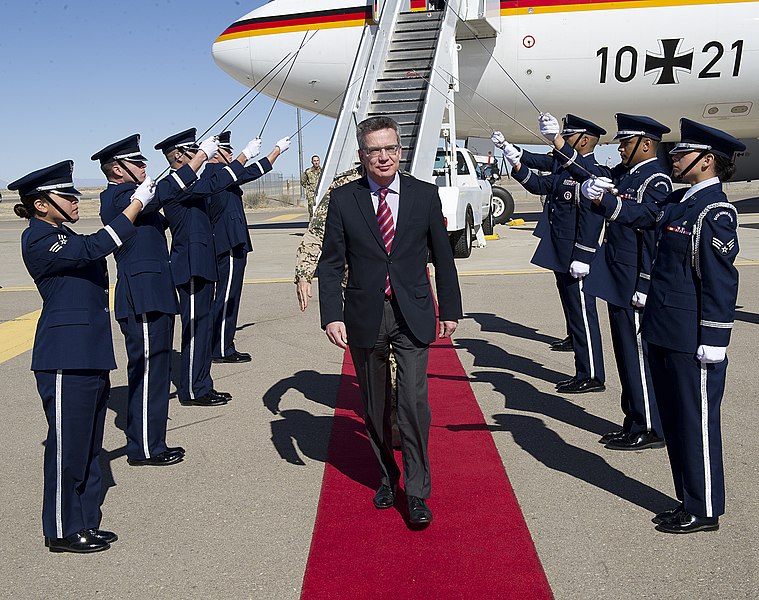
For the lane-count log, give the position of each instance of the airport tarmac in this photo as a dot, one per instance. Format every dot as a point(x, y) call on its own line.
point(235, 519)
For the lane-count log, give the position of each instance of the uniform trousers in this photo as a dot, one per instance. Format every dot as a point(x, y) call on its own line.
point(582, 319)
point(562, 293)
point(226, 306)
point(689, 395)
point(631, 355)
point(414, 414)
point(75, 403)
point(195, 306)
point(149, 339)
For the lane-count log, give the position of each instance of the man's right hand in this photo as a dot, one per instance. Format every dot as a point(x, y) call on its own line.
point(209, 147)
point(145, 192)
point(336, 333)
point(595, 187)
point(303, 290)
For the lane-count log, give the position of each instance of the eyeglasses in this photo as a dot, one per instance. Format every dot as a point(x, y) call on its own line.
point(375, 152)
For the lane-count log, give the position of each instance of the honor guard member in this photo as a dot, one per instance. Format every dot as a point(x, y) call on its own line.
point(232, 242)
point(569, 243)
point(73, 349)
point(689, 314)
point(309, 180)
point(621, 276)
point(146, 301)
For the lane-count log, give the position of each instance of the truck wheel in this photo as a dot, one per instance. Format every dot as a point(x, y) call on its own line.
point(503, 205)
point(461, 240)
point(488, 223)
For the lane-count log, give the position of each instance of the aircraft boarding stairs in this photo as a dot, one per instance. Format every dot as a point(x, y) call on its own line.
point(400, 72)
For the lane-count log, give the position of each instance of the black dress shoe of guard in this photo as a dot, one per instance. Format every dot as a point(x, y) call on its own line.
point(178, 449)
point(566, 381)
point(564, 345)
point(106, 536)
point(163, 459)
point(81, 542)
point(237, 357)
point(684, 522)
point(636, 441)
point(612, 435)
point(226, 395)
point(581, 386)
point(209, 399)
point(668, 514)
point(385, 497)
point(418, 511)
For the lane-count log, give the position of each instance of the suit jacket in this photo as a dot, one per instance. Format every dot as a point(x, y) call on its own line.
point(352, 236)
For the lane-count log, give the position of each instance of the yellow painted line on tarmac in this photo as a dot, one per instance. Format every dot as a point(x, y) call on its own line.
point(257, 281)
point(286, 217)
point(19, 288)
point(17, 336)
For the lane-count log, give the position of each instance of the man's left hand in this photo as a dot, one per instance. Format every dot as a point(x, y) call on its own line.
point(447, 328)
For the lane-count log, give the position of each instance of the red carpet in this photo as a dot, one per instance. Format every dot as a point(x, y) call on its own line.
point(478, 545)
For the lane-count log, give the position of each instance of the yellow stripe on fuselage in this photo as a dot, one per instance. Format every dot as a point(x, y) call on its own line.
point(583, 6)
point(290, 29)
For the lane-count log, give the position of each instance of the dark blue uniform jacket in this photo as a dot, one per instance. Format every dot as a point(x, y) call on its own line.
point(69, 270)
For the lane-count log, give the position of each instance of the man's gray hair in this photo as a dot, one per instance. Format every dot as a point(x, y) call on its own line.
point(373, 124)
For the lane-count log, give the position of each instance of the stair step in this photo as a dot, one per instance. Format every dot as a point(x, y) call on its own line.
point(401, 95)
point(407, 65)
point(393, 72)
point(408, 17)
point(400, 106)
point(405, 83)
point(407, 45)
point(414, 34)
point(423, 26)
point(422, 53)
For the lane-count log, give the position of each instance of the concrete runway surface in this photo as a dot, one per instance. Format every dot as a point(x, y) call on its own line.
point(234, 520)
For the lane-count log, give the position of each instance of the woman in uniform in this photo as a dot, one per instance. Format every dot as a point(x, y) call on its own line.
point(689, 314)
point(73, 350)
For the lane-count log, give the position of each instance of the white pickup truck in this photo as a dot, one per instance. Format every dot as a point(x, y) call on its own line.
point(467, 200)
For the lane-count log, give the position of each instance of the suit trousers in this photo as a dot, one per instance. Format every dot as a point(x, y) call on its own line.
point(149, 340)
point(689, 395)
point(563, 300)
point(631, 355)
point(414, 415)
point(226, 304)
point(195, 305)
point(582, 318)
point(75, 404)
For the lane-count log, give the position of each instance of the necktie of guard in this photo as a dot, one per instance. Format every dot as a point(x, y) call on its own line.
point(387, 229)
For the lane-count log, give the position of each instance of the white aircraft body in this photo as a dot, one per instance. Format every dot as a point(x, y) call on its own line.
point(663, 58)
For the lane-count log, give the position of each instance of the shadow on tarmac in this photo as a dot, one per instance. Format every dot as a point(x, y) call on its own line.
point(490, 322)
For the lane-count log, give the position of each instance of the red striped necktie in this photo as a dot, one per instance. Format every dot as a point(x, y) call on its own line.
point(387, 229)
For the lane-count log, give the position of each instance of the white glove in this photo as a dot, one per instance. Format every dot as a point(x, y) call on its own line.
point(594, 188)
point(549, 126)
point(578, 269)
point(512, 154)
point(639, 299)
point(498, 139)
point(210, 147)
point(252, 149)
point(710, 354)
point(284, 144)
point(145, 192)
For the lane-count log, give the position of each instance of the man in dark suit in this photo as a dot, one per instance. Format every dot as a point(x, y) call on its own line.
point(383, 226)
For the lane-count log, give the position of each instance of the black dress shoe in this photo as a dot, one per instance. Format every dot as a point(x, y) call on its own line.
point(178, 449)
point(385, 497)
point(636, 441)
point(159, 460)
point(209, 399)
point(566, 381)
point(226, 395)
point(106, 536)
point(564, 345)
point(612, 435)
point(581, 386)
point(81, 542)
point(418, 511)
point(668, 514)
point(684, 522)
point(237, 357)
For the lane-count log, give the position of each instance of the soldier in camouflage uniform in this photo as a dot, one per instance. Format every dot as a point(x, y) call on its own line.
point(307, 258)
point(309, 180)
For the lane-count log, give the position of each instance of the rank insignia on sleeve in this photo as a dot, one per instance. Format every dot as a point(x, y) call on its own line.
point(723, 248)
point(57, 246)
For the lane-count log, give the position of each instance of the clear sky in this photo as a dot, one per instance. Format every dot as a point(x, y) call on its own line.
point(76, 75)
